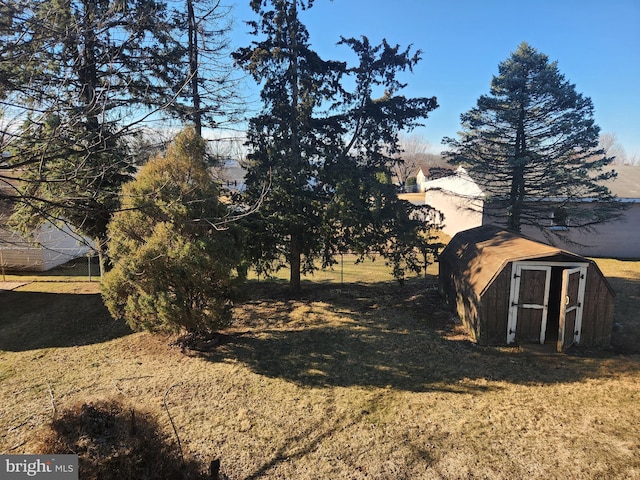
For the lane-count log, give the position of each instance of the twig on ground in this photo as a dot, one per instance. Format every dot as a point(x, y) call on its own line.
point(15, 447)
point(134, 378)
point(15, 427)
point(53, 404)
point(166, 407)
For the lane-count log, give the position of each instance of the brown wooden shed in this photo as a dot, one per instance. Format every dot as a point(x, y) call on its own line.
point(508, 289)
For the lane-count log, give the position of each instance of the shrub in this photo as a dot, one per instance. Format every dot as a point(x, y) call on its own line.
point(113, 441)
point(175, 268)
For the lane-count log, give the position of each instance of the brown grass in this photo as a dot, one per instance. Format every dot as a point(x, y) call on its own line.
point(354, 380)
point(624, 277)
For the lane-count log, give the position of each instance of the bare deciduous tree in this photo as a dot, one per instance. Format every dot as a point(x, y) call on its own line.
point(613, 148)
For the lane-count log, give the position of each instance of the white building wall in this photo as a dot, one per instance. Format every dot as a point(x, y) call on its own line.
point(53, 247)
point(460, 213)
point(459, 198)
point(620, 239)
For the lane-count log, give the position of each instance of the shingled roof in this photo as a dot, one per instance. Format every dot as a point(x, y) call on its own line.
point(482, 252)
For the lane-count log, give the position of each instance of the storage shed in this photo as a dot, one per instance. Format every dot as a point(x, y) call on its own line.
point(508, 289)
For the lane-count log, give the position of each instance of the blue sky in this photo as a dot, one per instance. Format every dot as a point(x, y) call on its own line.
point(596, 45)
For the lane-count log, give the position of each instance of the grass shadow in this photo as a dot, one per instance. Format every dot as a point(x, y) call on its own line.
point(626, 333)
point(379, 335)
point(315, 434)
point(33, 320)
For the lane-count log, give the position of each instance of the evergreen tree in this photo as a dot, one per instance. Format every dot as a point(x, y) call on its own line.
point(80, 70)
point(174, 255)
point(532, 144)
point(325, 142)
point(206, 88)
point(81, 77)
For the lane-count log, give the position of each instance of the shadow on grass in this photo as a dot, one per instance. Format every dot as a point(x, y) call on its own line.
point(33, 320)
point(316, 433)
point(380, 336)
point(626, 333)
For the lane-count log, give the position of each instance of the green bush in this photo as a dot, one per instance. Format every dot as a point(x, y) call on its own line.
point(175, 261)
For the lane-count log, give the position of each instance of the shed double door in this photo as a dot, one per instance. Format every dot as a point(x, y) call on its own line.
point(529, 303)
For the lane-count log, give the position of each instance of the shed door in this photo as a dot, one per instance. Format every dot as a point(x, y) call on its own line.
point(528, 303)
point(571, 306)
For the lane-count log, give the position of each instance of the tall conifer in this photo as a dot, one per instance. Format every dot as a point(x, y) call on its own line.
point(532, 144)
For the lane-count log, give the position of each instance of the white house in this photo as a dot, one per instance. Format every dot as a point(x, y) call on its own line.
point(461, 200)
point(617, 239)
point(48, 247)
point(421, 178)
point(436, 167)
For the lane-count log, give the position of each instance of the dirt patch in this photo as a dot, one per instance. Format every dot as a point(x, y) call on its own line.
point(8, 285)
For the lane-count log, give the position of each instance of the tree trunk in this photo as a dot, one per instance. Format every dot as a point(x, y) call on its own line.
point(295, 264)
point(516, 196)
point(516, 199)
point(87, 72)
point(296, 238)
point(193, 67)
point(103, 257)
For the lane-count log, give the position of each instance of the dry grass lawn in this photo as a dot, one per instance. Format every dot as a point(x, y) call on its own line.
point(347, 381)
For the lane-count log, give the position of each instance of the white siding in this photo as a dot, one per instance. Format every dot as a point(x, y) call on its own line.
point(620, 239)
point(459, 198)
point(54, 247)
point(460, 213)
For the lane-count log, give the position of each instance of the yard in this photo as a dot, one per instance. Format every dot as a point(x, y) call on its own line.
point(357, 378)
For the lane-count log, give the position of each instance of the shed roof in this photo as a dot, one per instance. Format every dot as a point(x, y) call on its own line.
point(482, 252)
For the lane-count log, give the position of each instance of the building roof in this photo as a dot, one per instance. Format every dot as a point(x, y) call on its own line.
point(627, 183)
point(625, 186)
point(460, 183)
point(481, 253)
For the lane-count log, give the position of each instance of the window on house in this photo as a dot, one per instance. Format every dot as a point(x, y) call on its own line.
point(559, 219)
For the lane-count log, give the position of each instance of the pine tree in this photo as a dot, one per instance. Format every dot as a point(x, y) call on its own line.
point(532, 144)
point(82, 75)
point(175, 259)
point(206, 89)
point(325, 142)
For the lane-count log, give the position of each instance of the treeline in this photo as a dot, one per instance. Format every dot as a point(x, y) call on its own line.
point(80, 79)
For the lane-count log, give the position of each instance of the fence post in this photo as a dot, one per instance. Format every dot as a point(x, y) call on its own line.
point(89, 264)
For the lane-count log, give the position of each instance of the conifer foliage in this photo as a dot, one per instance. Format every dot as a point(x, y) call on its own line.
point(532, 144)
point(326, 140)
point(174, 256)
point(80, 80)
